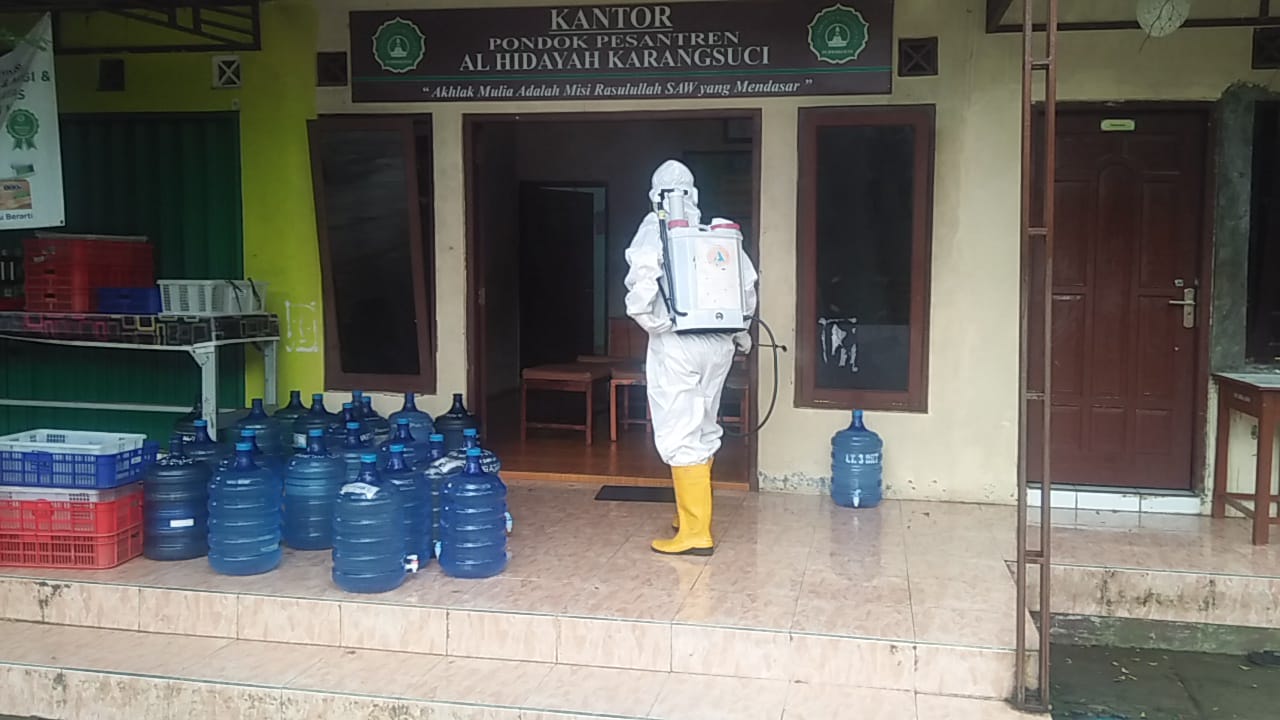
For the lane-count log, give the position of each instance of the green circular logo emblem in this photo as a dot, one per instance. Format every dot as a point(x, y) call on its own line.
point(23, 126)
point(838, 34)
point(399, 45)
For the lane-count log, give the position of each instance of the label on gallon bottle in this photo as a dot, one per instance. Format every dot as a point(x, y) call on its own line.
point(187, 522)
point(299, 440)
point(862, 458)
point(365, 490)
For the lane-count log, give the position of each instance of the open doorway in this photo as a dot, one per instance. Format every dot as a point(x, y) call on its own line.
point(556, 371)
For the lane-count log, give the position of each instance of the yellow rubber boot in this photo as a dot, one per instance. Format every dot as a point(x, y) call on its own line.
point(693, 505)
point(675, 521)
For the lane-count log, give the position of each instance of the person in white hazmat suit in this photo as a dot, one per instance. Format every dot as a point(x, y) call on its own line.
point(684, 373)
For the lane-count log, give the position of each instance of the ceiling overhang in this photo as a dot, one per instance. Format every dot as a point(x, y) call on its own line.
point(173, 25)
point(1005, 16)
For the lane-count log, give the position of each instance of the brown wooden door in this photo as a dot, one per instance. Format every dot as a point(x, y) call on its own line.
point(1128, 232)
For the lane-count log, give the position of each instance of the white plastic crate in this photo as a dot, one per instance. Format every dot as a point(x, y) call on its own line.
point(212, 297)
point(71, 441)
point(19, 492)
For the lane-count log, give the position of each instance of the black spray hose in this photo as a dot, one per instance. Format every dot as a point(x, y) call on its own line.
point(773, 396)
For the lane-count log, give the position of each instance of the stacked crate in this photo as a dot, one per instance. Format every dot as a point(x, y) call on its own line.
point(76, 273)
point(71, 499)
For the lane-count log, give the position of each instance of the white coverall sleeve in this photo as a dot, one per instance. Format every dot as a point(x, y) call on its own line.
point(750, 298)
point(644, 301)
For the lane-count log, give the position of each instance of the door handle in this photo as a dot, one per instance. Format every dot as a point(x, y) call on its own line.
point(1188, 304)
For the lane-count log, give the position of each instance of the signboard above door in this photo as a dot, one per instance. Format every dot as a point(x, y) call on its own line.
point(768, 48)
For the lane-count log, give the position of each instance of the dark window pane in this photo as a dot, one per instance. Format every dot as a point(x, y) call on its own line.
point(863, 256)
point(1262, 338)
point(365, 185)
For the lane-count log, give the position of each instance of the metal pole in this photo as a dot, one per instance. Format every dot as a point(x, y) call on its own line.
point(1032, 693)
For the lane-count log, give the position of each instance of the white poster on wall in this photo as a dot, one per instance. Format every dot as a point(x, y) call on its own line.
point(30, 148)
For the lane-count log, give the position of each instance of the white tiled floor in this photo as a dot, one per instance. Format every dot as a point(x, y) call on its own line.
point(804, 603)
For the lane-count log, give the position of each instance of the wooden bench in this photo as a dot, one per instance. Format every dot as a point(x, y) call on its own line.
point(625, 376)
point(568, 377)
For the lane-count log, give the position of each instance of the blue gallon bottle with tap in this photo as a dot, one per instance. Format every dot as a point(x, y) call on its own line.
point(203, 448)
point(175, 506)
point(244, 517)
point(401, 434)
point(474, 523)
point(857, 465)
point(415, 496)
point(270, 437)
point(437, 468)
point(311, 483)
point(452, 423)
point(369, 554)
point(315, 418)
point(420, 423)
point(285, 416)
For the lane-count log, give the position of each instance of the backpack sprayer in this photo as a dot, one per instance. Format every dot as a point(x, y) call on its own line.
point(702, 284)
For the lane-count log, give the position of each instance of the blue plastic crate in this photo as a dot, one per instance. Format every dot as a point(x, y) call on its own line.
point(35, 459)
point(127, 301)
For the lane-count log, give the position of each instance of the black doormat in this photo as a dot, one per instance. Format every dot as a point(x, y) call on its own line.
point(628, 493)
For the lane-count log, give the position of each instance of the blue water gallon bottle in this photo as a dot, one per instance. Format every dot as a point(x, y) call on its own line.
point(185, 426)
point(285, 416)
point(204, 449)
point(401, 434)
point(415, 496)
point(857, 464)
point(315, 418)
point(350, 414)
point(354, 448)
point(270, 436)
point(380, 426)
point(436, 470)
point(489, 461)
point(175, 506)
point(311, 483)
point(420, 423)
point(368, 533)
point(452, 423)
point(273, 462)
point(474, 523)
point(244, 517)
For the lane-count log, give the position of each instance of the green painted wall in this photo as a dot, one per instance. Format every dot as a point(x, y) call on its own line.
point(274, 103)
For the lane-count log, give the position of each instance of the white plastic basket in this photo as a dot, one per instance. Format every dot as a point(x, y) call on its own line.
point(212, 297)
point(71, 441)
point(19, 492)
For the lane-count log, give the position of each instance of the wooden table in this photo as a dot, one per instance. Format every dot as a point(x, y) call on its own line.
point(568, 377)
point(1258, 396)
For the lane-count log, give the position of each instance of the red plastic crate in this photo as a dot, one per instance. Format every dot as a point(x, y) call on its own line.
point(75, 516)
point(84, 552)
point(53, 299)
point(86, 264)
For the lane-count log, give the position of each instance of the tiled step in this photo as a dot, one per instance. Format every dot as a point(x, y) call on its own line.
point(467, 631)
point(70, 672)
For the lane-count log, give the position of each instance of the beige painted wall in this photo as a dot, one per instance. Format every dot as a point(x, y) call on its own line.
point(963, 449)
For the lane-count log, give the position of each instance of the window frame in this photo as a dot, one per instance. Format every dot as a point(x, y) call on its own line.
point(421, 241)
point(807, 394)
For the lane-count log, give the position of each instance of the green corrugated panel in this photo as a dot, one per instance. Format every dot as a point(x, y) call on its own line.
point(175, 179)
